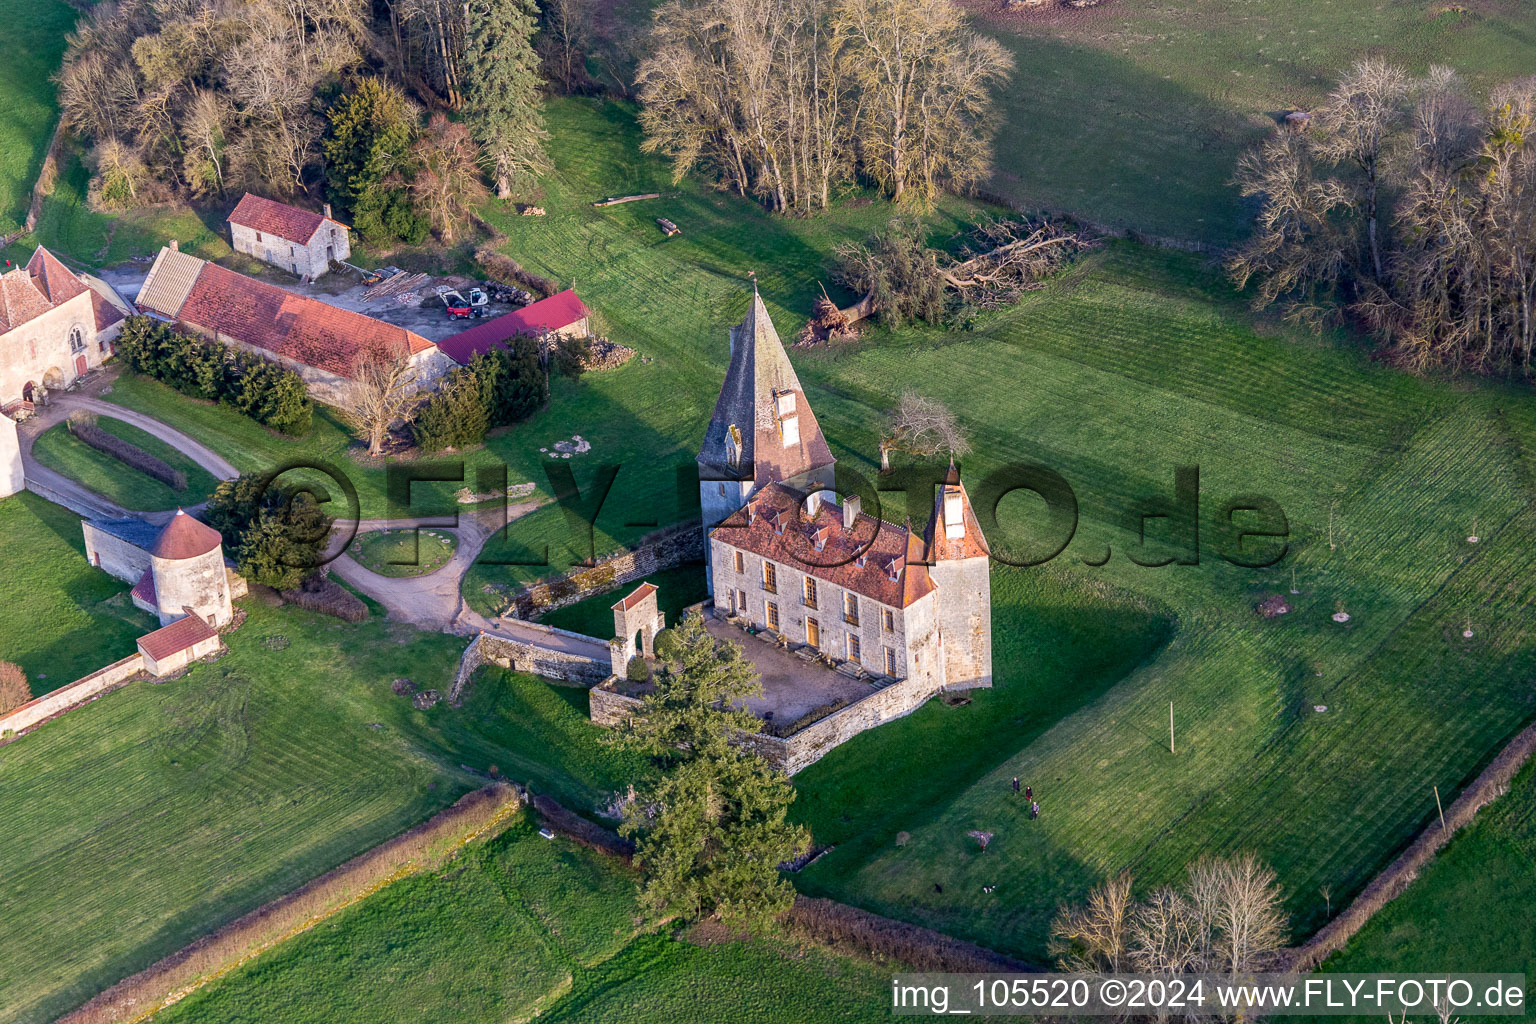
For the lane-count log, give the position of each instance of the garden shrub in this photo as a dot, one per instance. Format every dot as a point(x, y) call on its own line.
point(319, 594)
point(83, 426)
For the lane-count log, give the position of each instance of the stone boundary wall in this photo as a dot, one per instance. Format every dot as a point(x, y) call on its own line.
point(1387, 886)
point(526, 656)
point(804, 748)
point(70, 696)
point(674, 545)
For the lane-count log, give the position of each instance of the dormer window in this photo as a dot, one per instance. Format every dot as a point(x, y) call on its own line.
point(861, 561)
point(954, 515)
point(819, 539)
point(892, 570)
point(789, 430)
point(784, 404)
point(733, 445)
point(778, 523)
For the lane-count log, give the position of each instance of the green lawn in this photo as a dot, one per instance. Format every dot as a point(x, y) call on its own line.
point(60, 619)
point(139, 822)
point(678, 588)
point(521, 927)
point(30, 50)
point(404, 552)
point(116, 481)
point(1133, 114)
point(1470, 910)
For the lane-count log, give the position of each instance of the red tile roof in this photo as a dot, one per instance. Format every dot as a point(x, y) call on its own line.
point(185, 537)
point(296, 327)
point(555, 313)
point(179, 636)
point(144, 590)
point(891, 571)
point(938, 545)
point(639, 594)
point(273, 218)
point(106, 313)
point(28, 292)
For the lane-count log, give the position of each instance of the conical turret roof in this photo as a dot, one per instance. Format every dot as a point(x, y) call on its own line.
point(776, 435)
point(185, 537)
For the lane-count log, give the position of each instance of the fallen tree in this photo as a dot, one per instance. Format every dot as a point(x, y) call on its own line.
point(900, 277)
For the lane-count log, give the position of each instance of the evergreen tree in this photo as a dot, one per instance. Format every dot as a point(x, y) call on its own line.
point(367, 145)
point(514, 384)
point(501, 89)
point(277, 533)
point(454, 417)
point(714, 828)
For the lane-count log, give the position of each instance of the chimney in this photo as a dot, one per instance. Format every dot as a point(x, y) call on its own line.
point(175, 245)
point(327, 211)
point(852, 506)
point(812, 504)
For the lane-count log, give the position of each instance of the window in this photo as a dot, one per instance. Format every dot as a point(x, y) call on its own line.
point(741, 601)
point(773, 616)
point(888, 620)
point(258, 236)
point(76, 340)
point(850, 609)
point(853, 647)
point(722, 490)
point(290, 250)
point(890, 662)
point(770, 577)
point(810, 592)
point(813, 633)
point(741, 562)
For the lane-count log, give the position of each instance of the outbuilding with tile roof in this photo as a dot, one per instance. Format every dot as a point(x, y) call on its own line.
point(299, 241)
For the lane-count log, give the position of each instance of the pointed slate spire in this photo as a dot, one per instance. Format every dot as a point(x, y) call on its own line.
point(776, 437)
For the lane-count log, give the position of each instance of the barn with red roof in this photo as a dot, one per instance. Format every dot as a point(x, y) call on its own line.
point(562, 314)
point(299, 241)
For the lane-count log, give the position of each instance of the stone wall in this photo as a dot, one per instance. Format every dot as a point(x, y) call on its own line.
point(664, 549)
point(12, 477)
point(66, 698)
point(525, 656)
point(180, 659)
point(610, 708)
point(200, 583)
point(965, 621)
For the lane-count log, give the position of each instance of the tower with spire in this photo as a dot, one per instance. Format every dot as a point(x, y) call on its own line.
point(763, 430)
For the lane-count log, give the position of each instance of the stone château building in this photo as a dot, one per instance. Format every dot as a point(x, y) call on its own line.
point(55, 327)
point(786, 556)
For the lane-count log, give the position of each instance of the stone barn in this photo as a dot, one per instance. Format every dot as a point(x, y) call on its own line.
point(320, 342)
point(55, 327)
point(301, 242)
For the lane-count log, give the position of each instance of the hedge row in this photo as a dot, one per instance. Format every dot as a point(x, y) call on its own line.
point(84, 427)
point(328, 597)
point(210, 370)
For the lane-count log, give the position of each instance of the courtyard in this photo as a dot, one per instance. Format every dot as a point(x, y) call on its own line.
point(793, 686)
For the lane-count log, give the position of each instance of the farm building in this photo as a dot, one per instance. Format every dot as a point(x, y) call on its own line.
point(562, 314)
point(320, 342)
point(301, 242)
point(55, 326)
point(176, 570)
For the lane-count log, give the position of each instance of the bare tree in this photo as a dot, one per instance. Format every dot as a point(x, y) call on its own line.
point(1093, 937)
point(1249, 922)
point(568, 23)
point(447, 182)
point(381, 394)
point(1164, 934)
point(14, 691)
point(924, 427)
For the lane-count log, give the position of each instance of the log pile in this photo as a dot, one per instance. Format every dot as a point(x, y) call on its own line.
point(392, 286)
point(616, 200)
point(667, 227)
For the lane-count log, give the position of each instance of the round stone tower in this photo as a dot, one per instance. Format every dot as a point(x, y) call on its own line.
point(188, 566)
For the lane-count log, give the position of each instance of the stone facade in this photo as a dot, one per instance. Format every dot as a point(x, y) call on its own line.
point(636, 621)
point(200, 584)
point(13, 477)
point(167, 587)
point(309, 256)
point(53, 343)
point(117, 552)
point(179, 660)
point(324, 386)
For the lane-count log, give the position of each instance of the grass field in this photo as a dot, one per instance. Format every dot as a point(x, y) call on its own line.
point(523, 927)
point(58, 449)
point(30, 50)
point(1134, 362)
point(140, 822)
point(61, 619)
point(1470, 909)
point(404, 552)
point(1133, 113)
